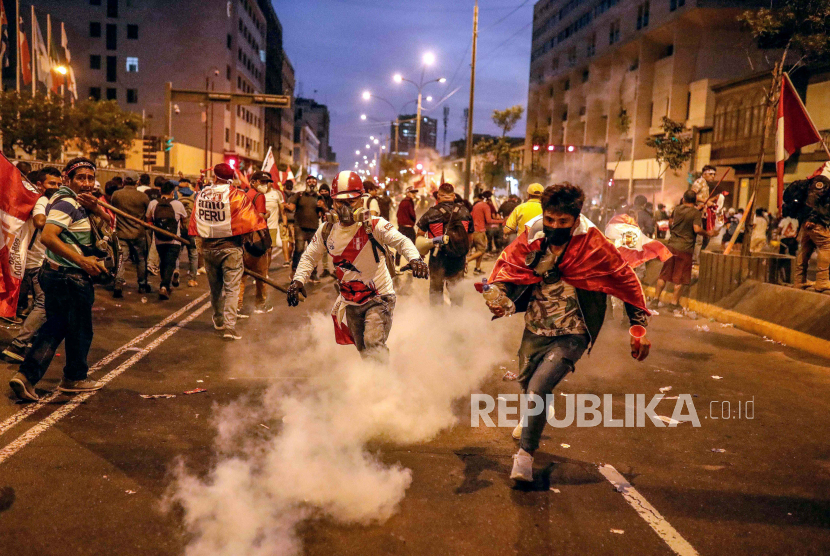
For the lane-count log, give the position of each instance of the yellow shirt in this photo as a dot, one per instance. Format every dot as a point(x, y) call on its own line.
point(523, 214)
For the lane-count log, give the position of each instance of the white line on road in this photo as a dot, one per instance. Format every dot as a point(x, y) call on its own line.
point(73, 403)
point(651, 516)
point(33, 407)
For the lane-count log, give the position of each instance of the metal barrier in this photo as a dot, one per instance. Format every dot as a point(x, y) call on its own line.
point(103, 175)
point(721, 274)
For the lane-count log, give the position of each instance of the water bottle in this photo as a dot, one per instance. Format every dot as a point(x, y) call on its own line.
point(495, 296)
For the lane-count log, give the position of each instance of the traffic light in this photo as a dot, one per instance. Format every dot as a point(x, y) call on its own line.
point(168, 145)
point(232, 161)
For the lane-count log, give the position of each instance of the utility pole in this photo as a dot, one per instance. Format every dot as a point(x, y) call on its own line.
point(418, 125)
point(469, 161)
point(446, 119)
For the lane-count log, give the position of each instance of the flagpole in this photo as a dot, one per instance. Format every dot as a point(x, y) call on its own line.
point(17, 46)
point(34, 59)
point(49, 53)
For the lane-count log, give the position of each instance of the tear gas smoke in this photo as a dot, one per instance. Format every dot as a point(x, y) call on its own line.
point(317, 465)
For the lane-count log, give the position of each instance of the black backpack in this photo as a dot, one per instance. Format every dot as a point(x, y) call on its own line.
point(164, 217)
point(385, 205)
point(457, 241)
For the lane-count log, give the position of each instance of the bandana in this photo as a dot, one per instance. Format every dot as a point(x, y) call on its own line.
point(81, 164)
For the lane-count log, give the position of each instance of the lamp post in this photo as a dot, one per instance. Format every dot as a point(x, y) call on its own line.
point(368, 96)
point(428, 60)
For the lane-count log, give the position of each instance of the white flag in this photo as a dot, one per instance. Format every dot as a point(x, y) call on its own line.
point(269, 161)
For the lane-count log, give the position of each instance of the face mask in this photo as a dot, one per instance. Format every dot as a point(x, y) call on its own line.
point(262, 188)
point(346, 214)
point(557, 236)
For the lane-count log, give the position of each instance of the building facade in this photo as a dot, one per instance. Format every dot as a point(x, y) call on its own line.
point(126, 51)
point(306, 149)
point(279, 80)
point(316, 116)
point(406, 134)
point(605, 72)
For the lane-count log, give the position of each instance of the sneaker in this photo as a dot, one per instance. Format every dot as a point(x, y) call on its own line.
point(201, 271)
point(522, 467)
point(192, 283)
point(15, 353)
point(144, 288)
point(478, 271)
point(265, 309)
point(23, 389)
point(216, 325)
point(85, 385)
point(164, 293)
point(117, 293)
point(241, 315)
point(231, 334)
point(175, 282)
point(286, 263)
point(517, 432)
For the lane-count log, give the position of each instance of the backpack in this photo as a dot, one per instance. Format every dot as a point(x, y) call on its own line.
point(795, 200)
point(385, 205)
point(457, 240)
point(164, 217)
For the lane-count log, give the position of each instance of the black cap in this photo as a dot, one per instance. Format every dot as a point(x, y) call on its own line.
point(262, 176)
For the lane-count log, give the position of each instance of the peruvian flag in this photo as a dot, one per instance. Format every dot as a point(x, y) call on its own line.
point(269, 165)
point(17, 199)
point(590, 262)
point(634, 246)
point(795, 130)
point(222, 210)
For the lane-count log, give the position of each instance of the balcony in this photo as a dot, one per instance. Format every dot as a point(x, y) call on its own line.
point(737, 136)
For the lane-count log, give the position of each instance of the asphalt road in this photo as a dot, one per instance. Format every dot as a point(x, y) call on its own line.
point(88, 475)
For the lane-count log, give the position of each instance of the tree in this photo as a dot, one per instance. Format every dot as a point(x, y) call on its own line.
point(508, 118)
point(104, 129)
point(38, 125)
point(673, 148)
point(10, 121)
point(800, 26)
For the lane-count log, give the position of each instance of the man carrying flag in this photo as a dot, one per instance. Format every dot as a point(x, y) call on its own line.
point(559, 271)
point(221, 216)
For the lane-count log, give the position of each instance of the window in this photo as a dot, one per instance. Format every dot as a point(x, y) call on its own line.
point(227, 135)
point(555, 64)
point(132, 31)
point(112, 70)
point(642, 15)
point(132, 65)
point(228, 73)
point(567, 85)
point(585, 76)
point(112, 94)
point(112, 37)
point(95, 93)
point(95, 30)
point(592, 46)
point(94, 2)
point(132, 96)
point(674, 4)
point(95, 62)
point(112, 8)
point(614, 32)
point(230, 42)
point(572, 56)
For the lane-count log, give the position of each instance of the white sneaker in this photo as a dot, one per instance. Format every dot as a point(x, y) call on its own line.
point(522, 467)
point(201, 271)
point(517, 432)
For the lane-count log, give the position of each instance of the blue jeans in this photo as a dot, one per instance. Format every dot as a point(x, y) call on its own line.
point(543, 362)
point(136, 248)
point(37, 316)
point(69, 299)
point(224, 274)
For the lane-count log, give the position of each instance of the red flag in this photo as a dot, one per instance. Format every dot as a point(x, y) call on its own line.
point(795, 130)
point(17, 199)
point(590, 262)
point(25, 54)
point(222, 210)
point(634, 246)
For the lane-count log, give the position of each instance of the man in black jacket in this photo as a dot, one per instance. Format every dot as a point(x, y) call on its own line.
point(559, 272)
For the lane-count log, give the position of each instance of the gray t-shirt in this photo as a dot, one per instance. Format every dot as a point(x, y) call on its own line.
point(684, 219)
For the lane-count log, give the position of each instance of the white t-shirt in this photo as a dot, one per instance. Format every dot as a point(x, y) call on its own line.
point(372, 205)
point(181, 216)
point(37, 251)
point(273, 200)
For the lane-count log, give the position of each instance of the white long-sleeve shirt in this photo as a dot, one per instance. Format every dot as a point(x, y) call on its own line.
point(360, 277)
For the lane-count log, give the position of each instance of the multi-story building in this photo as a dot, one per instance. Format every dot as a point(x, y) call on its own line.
point(126, 51)
point(316, 115)
point(406, 133)
point(279, 80)
point(605, 72)
point(306, 148)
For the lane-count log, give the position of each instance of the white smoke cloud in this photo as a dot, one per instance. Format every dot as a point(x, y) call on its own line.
point(316, 464)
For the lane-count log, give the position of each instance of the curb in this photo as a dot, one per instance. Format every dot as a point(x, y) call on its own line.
point(787, 336)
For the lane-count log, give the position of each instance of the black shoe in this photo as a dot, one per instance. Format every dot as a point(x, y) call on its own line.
point(144, 288)
point(176, 279)
point(15, 353)
point(117, 293)
point(164, 294)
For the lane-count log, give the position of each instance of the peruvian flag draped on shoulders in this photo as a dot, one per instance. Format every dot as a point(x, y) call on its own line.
point(590, 262)
point(795, 130)
point(222, 210)
point(634, 246)
point(17, 199)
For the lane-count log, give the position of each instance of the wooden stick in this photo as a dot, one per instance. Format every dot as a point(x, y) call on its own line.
point(171, 235)
point(728, 248)
point(712, 194)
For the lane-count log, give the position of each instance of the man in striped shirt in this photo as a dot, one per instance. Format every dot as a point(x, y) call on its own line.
point(66, 279)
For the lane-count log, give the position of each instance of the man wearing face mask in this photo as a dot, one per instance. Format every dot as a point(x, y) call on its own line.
point(559, 272)
point(306, 220)
point(359, 244)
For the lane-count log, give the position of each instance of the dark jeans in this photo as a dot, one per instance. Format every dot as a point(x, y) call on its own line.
point(450, 270)
point(409, 233)
point(168, 255)
point(137, 249)
point(37, 316)
point(543, 362)
point(69, 299)
point(302, 237)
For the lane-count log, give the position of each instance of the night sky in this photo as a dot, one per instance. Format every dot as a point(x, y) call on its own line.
point(340, 48)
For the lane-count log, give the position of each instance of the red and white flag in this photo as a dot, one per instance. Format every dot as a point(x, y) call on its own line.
point(17, 199)
point(795, 130)
point(634, 246)
point(222, 210)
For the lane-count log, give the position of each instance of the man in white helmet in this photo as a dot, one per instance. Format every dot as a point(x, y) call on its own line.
point(359, 244)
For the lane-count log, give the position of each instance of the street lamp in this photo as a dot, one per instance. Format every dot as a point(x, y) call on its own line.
point(61, 70)
point(428, 59)
point(376, 141)
point(357, 152)
point(367, 95)
point(363, 116)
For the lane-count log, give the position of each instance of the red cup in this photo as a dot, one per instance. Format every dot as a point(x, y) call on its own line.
point(638, 333)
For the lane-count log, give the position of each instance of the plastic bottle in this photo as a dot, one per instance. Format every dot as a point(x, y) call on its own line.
point(495, 296)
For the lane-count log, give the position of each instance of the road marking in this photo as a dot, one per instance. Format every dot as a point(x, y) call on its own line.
point(77, 400)
point(33, 407)
point(651, 516)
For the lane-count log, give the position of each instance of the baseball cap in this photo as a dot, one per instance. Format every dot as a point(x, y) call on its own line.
point(535, 189)
point(262, 176)
point(223, 171)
